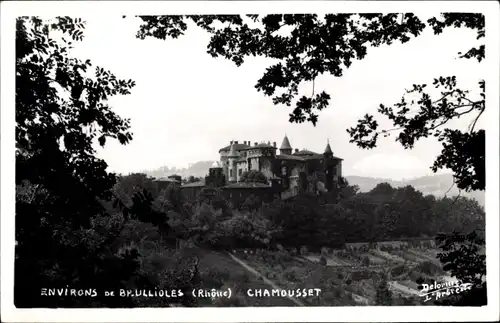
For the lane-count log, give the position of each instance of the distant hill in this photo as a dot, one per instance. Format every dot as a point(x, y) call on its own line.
point(436, 185)
point(198, 169)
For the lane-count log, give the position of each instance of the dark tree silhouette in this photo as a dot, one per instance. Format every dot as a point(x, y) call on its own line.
point(61, 111)
point(383, 294)
point(313, 46)
point(317, 45)
point(421, 114)
point(306, 46)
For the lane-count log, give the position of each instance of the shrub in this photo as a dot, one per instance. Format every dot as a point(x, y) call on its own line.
point(303, 250)
point(322, 261)
point(234, 301)
point(429, 268)
point(290, 275)
point(366, 261)
point(398, 270)
point(215, 278)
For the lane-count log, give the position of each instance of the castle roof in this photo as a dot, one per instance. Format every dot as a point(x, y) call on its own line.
point(314, 156)
point(232, 152)
point(304, 152)
point(195, 184)
point(290, 157)
point(328, 149)
point(236, 146)
point(166, 179)
point(247, 185)
point(262, 145)
point(318, 156)
point(286, 143)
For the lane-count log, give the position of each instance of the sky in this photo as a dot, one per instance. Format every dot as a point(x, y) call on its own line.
point(187, 105)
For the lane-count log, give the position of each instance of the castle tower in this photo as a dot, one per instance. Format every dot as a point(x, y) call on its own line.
point(232, 157)
point(286, 148)
point(328, 150)
point(329, 167)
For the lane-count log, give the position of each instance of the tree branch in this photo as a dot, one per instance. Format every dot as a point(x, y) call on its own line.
point(475, 120)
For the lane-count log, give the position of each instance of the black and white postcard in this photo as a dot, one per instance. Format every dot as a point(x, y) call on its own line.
point(281, 161)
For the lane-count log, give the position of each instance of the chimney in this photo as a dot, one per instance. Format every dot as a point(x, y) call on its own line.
point(236, 142)
point(269, 143)
point(274, 144)
point(296, 150)
point(231, 142)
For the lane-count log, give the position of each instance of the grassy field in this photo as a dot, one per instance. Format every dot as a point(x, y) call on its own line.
point(219, 271)
point(340, 285)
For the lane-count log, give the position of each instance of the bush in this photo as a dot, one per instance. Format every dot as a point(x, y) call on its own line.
point(365, 261)
point(235, 301)
point(322, 261)
point(429, 268)
point(214, 278)
point(303, 250)
point(290, 275)
point(398, 270)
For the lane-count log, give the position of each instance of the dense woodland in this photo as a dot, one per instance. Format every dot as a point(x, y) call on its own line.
point(78, 225)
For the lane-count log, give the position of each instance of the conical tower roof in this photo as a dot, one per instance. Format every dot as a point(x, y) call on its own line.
point(286, 143)
point(328, 149)
point(232, 151)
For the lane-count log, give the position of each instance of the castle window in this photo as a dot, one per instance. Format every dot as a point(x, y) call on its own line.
point(231, 172)
point(240, 171)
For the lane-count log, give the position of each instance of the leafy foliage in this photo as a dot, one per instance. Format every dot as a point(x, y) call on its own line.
point(385, 213)
point(63, 229)
point(306, 45)
point(384, 295)
point(303, 45)
point(424, 113)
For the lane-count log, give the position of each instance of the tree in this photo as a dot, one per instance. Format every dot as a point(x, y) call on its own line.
point(383, 294)
point(305, 46)
point(253, 176)
point(251, 203)
point(191, 179)
point(313, 46)
point(127, 186)
point(464, 257)
point(421, 114)
point(61, 111)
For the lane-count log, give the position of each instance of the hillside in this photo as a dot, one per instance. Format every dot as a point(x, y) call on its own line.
point(198, 169)
point(436, 185)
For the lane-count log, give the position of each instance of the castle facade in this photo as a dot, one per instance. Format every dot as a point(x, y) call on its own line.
point(284, 167)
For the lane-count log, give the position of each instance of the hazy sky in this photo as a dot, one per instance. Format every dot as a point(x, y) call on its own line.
point(187, 105)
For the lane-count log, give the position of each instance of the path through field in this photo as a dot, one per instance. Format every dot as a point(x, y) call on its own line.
point(358, 298)
point(267, 281)
point(394, 285)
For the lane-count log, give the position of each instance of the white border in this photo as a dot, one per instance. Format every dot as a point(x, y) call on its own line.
point(9, 10)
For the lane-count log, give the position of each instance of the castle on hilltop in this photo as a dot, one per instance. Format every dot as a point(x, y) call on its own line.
point(289, 168)
point(288, 172)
